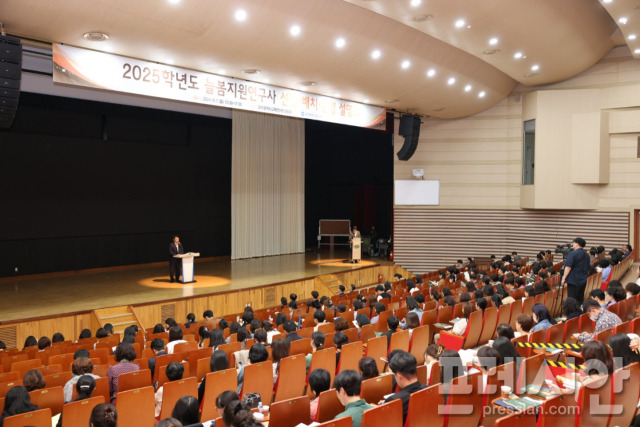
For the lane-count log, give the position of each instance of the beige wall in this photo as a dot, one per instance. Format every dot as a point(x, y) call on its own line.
point(587, 129)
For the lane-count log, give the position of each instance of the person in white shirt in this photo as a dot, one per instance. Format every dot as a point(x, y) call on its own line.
point(175, 337)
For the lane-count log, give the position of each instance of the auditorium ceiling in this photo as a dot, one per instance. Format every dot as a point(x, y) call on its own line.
point(440, 58)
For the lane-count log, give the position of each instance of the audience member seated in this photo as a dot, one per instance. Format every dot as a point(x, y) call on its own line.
point(84, 334)
point(317, 343)
point(505, 330)
point(169, 422)
point(175, 337)
point(30, 341)
point(598, 295)
point(319, 381)
point(174, 371)
point(379, 308)
point(158, 328)
point(217, 339)
point(271, 331)
point(170, 323)
point(461, 325)
point(233, 329)
point(291, 329)
point(604, 320)
point(237, 414)
point(33, 380)
point(604, 267)
point(279, 350)
point(219, 361)
point(450, 367)
point(124, 355)
point(403, 366)
point(348, 384)
point(57, 337)
point(187, 411)
point(203, 335)
point(392, 325)
point(339, 339)
point(368, 368)
point(614, 294)
point(16, 402)
point(257, 353)
point(157, 346)
point(319, 318)
point(260, 335)
point(571, 309)
point(84, 386)
point(431, 355)
point(104, 415)
point(541, 317)
point(488, 358)
point(82, 366)
point(623, 354)
point(340, 324)
point(524, 324)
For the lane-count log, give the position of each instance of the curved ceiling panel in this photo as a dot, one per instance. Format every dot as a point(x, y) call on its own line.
point(431, 67)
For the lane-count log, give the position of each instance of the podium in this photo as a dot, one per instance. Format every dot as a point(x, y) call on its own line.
point(187, 265)
point(356, 249)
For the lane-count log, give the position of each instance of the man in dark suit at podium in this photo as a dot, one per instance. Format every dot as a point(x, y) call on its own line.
point(175, 264)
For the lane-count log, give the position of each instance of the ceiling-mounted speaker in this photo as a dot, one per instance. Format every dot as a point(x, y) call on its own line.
point(10, 76)
point(410, 129)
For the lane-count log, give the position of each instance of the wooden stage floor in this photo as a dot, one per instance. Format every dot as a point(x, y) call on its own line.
point(57, 293)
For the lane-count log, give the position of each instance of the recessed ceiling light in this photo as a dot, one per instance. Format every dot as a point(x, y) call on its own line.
point(637, 51)
point(251, 71)
point(241, 15)
point(622, 20)
point(174, 1)
point(222, 71)
point(535, 67)
point(482, 94)
point(375, 54)
point(340, 42)
point(406, 64)
point(431, 72)
point(460, 23)
point(632, 36)
point(307, 83)
point(295, 30)
point(415, 3)
point(96, 36)
point(518, 55)
point(607, 1)
point(422, 18)
point(493, 41)
point(467, 88)
point(451, 81)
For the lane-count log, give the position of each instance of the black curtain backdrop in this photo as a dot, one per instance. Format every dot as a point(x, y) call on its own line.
point(87, 184)
point(348, 175)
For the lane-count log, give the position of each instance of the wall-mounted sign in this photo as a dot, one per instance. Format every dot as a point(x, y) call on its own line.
point(82, 67)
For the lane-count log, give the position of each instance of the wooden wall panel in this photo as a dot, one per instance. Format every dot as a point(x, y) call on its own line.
point(427, 239)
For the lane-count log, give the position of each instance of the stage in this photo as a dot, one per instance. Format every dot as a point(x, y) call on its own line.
point(68, 292)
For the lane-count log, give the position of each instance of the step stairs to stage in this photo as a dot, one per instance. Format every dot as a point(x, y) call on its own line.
point(120, 317)
point(331, 281)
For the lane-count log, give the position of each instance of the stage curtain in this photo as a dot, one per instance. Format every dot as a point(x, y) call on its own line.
point(267, 185)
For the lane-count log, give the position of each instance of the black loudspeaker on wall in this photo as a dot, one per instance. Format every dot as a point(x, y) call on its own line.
point(10, 74)
point(410, 129)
